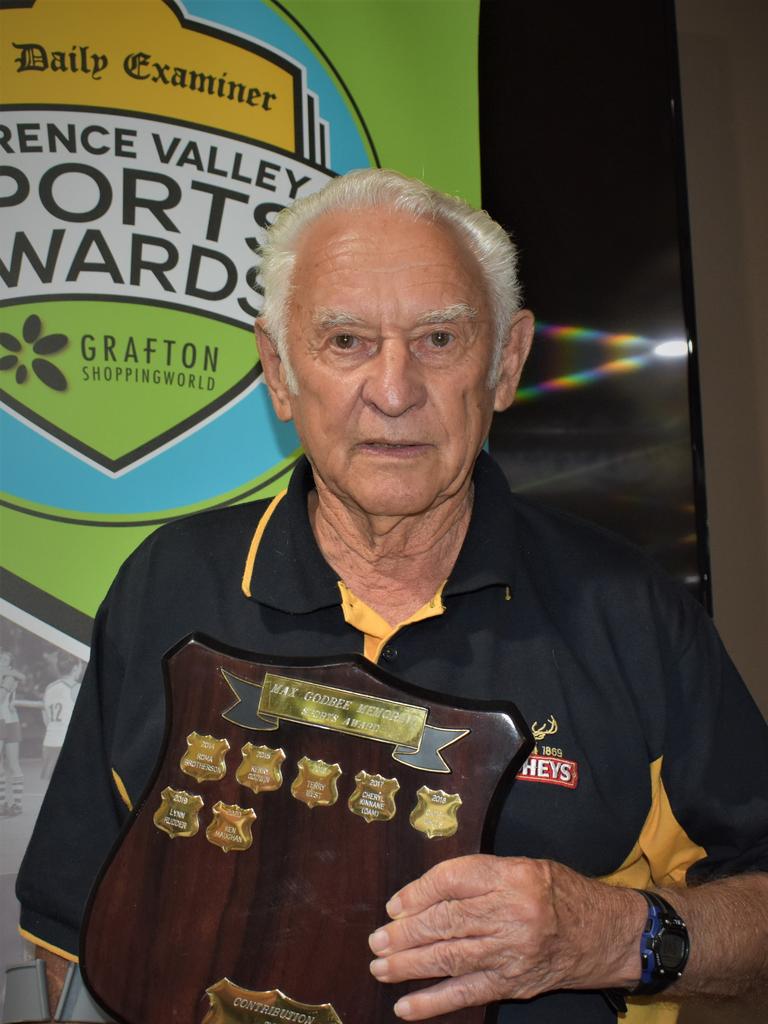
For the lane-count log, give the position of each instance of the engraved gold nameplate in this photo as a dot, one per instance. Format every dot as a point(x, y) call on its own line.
point(231, 1004)
point(205, 758)
point(374, 797)
point(231, 827)
point(435, 813)
point(260, 768)
point(315, 783)
point(178, 812)
point(404, 726)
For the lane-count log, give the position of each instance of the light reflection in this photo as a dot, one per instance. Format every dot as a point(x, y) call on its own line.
point(573, 333)
point(677, 348)
point(674, 348)
point(571, 381)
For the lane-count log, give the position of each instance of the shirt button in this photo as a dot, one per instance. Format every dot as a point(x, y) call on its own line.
point(389, 653)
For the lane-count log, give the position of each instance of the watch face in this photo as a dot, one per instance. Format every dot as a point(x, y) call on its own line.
point(671, 950)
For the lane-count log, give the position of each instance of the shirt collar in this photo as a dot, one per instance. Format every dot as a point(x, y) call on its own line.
point(289, 572)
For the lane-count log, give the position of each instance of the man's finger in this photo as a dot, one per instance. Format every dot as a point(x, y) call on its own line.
point(449, 959)
point(452, 919)
point(455, 879)
point(445, 997)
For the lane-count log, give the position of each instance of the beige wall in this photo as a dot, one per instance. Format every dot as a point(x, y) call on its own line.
point(724, 71)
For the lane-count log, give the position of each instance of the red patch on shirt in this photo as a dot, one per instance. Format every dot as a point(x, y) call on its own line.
point(555, 771)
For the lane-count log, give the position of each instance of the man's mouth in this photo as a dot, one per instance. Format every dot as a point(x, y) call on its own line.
point(387, 447)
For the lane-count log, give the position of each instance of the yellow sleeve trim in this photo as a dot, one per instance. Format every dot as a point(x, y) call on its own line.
point(120, 787)
point(258, 533)
point(661, 856)
point(646, 1012)
point(47, 945)
point(664, 851)
point(667, 846)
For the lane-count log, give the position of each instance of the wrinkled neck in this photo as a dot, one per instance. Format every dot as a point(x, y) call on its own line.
point(393, 563)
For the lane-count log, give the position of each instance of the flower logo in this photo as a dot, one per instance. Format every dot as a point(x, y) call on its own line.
point(47, 345)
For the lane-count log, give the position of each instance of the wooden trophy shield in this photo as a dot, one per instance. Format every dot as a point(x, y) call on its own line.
point(291, 800)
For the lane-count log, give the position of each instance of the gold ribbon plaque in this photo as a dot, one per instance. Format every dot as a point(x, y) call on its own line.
point(262, 705)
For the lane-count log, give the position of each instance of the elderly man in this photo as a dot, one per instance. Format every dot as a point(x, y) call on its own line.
point(392, 330)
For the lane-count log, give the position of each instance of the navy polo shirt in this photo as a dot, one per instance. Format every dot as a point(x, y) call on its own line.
point(651, 760)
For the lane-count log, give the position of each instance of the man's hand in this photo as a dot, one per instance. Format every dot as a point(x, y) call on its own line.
point(506, 928)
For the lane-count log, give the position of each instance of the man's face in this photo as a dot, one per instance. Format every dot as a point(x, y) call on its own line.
point(390, 338)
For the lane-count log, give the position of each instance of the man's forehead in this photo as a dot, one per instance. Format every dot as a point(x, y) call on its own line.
point(389, 230)
point(357, 253)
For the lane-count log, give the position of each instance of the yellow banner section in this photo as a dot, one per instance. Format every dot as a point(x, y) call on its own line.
point(143, 56)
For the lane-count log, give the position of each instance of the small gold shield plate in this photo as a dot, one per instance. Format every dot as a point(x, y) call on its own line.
point(205, 759)
point(260, 768)
point(230, 1004)
point(374, 797)
point(435, 813)
point(177, 814)
point(231, 827)
point(315, 783)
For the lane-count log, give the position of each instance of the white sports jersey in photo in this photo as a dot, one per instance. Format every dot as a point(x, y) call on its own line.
point(58, 702)
point(8, 684)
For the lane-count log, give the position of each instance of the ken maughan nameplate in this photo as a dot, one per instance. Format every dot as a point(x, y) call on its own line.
point(291, 800)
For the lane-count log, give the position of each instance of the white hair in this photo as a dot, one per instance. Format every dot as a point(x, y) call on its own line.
point(383, 189)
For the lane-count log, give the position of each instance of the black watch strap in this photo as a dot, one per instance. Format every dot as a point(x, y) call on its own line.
point(664, 946)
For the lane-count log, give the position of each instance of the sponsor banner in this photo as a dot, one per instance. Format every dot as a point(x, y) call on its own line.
point(145, 158)
point(145, 146)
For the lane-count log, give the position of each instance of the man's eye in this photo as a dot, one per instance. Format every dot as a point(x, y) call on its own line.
point(440, 339)
point(344, 341)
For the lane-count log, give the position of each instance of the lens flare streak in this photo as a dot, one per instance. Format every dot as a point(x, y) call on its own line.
point(574, 335)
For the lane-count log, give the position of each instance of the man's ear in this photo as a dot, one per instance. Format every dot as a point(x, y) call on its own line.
point(274, 372)
point(513, 355)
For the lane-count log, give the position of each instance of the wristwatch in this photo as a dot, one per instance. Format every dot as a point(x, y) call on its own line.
point(664, 946)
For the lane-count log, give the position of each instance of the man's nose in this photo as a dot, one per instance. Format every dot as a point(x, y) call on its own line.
point(395, 379)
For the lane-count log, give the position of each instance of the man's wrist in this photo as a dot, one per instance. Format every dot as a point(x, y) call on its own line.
point(604, 923)
point(634, 914)
point(664, 946)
